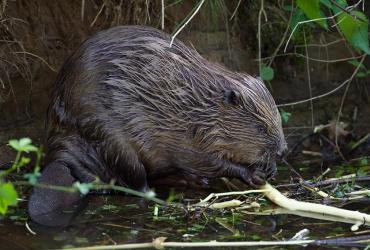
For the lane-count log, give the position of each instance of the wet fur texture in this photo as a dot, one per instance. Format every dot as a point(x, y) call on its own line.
point(128, 107)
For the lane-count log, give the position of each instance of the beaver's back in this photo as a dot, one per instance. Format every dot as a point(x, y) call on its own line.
point(129, 80)
point(128, 85)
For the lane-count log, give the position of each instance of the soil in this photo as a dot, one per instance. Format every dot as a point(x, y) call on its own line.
point(50, 30)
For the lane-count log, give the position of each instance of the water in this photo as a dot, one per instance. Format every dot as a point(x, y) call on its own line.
point(118, 219)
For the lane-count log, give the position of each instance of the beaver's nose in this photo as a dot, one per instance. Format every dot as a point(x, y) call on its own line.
point(280, 153)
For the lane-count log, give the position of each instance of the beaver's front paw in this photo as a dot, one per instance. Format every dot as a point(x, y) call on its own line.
point(182, 179)
point(254, 176)
point(270, 170)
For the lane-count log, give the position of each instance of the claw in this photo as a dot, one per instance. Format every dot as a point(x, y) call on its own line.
point(258, 178)
point(271, 170)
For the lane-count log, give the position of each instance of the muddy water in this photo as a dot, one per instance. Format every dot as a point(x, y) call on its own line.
point(116, 219)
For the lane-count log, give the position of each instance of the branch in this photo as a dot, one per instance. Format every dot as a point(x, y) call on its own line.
point(187, 21)
point(293, 205)
point(331, 91)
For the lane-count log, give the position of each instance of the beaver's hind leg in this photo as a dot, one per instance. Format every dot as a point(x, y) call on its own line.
point(46, 205)
point(124, 161)
point(69, 159)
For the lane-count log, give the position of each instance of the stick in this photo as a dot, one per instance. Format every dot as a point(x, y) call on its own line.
point(210, 244)
point(228, 194)
point(187, 21)
point(290, 204)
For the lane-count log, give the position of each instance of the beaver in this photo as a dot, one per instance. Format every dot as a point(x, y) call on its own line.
point(128, 106)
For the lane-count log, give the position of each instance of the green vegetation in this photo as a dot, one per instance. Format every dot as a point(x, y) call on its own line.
point(8, 194)
point(286, 30)
point(352, 22)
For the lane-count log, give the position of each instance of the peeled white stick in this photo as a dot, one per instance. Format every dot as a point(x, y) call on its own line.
point(290, 204)
point(225, 204)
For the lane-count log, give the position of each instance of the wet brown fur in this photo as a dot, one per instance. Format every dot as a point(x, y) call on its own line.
point(129, 107)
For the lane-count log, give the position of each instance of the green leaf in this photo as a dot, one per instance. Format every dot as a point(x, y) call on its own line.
point(298, 16)
point(362, 74)
point(23, 145)
point(24, 142)
point(342, 3)
point(24, 161)
point(156, 210)
point(32, 177)
point(30, 148)
point(84, 188)
point(267, 73)
point(285, 115)
point(8, 196)
point(356, 63)
point(14, 144)
point(288, 7)
point(255, 237)
point(364, 162)
point(327, 3)
point(360, 38)
point(311, 9)
point(355, 30)
point(109, 207)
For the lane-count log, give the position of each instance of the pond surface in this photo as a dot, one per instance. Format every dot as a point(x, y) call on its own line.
point(118, 219)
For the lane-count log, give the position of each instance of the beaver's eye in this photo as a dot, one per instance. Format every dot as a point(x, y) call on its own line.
point(231, 97)
point(262, 129)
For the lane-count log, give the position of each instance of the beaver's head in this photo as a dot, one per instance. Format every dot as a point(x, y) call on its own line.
point(248, 130)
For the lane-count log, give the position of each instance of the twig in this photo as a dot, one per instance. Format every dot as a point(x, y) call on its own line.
point(311, 58)
point(225, 204)
point(308, 21)
point(275, 196)
point(212, 195)
point(318, 216)
point(330, 182)
point(82, 10)
point(312, 153)
point(162, 14)
point(318, 19)
point(38, 57)
point(341, 107)
point(261, 11)
point(187, 21)
point(347, 11)
point(283, 39)
point(291, 168)
point(301, 235)
point(362, 140)
point(236, 9)
point(71, 189)
point(323, 174)
point(309, 79)
point(329, 92)
point(210, 244)
point(159, 243)
point(29, 229)
point(321, 44)
point(360, 192)
point(147, 10)
point(98, 14)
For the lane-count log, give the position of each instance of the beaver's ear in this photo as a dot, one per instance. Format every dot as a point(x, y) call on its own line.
point(231, 97)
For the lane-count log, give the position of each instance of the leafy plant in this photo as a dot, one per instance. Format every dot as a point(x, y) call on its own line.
point(8, 194)
point(311, 8)
point(354, 27)
point(267, 73)
point(352, 23)
point(285, 115)
point(363, 71)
